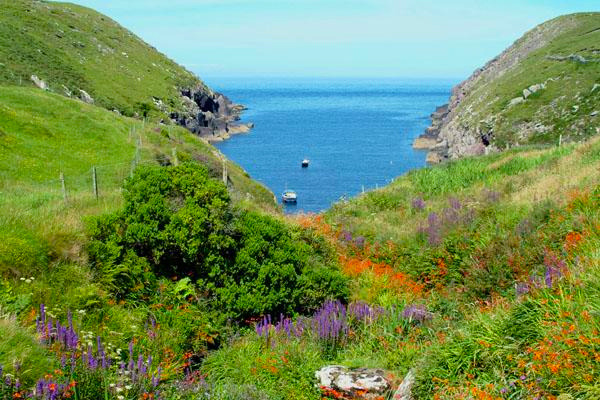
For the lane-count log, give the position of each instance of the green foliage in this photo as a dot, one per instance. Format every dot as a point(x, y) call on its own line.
point(565, 105)
point(72, 47)
point(177, 221)
point(20, 348)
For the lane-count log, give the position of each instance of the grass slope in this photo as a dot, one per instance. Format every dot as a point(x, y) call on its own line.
point(72, 47)
point(43, 135)
point(482, 276)
point(565, 107)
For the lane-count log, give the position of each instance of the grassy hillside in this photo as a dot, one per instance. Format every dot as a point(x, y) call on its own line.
point(72, 47)
point(43, 135)
point(544, 86)
point(480, 275)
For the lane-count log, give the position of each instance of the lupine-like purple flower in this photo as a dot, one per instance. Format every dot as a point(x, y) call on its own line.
point(416, 312)
point(359, 241)
point(433, 229)
point(554, 268)
point(362, 311)
point(455, 204)
point(346, 236)
point(521, 288)
point(418, 203)
point(39, 387)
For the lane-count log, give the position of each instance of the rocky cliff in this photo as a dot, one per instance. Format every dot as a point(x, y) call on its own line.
point(544, 88)
point(209, 114)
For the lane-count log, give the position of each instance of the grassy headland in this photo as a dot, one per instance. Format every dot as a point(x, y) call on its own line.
point(74, 48)
point(480, 275)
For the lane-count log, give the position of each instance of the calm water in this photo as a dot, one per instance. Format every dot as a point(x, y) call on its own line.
point(355, 132)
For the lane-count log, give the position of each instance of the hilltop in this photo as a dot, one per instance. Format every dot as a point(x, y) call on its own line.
point(542, 89)
point(79, 53)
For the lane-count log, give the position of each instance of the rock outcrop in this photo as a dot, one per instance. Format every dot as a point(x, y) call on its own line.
point(360, 383)
point(39, 83)
point(404, 391)
point(212, 116)
point(483, 114)
point(85, 97)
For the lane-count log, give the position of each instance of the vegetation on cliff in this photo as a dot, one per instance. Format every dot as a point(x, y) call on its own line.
point(73, 48)
point(545, 87)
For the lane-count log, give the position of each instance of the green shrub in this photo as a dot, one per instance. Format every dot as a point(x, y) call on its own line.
point(178, 222)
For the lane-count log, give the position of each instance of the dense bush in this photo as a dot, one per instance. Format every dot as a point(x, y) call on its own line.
point(178, 222)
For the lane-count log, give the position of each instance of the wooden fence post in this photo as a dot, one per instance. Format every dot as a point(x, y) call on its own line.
point(95, 182)
point(63, 186)
point(225, 174)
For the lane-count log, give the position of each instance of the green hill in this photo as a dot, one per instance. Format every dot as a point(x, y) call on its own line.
point(544, 87)
point(43, 135)
point(127, 270)
point(72, 47)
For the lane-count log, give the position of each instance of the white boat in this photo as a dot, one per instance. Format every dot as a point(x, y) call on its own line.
point(289, 196)
point(305, 163)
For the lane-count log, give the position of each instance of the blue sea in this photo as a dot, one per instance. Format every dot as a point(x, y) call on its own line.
point(357, 133)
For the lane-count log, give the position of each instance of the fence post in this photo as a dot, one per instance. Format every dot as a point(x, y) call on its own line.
point(175, 158)
point(560, 140)
point(63, 186)
point(225, 175)
point(95, 182)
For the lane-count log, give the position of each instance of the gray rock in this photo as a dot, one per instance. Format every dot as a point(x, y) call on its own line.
point(404, 391)
point(527, 93)
point(39, 83)
point(537, 87)
point(85, 97)
point(67, 91)
point(596, 87)
point(515, 101)
point(593, 114)
point(364, 382)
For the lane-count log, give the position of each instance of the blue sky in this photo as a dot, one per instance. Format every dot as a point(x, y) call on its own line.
point(345, 38)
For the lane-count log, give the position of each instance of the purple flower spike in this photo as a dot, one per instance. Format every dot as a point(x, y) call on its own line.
point(418, 203)
point(416, 312)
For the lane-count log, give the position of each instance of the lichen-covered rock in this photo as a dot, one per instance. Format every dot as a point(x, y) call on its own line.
point(39, 83)
point(404, 391)
point(515, 101)
point(355, 384)
point(85, 97)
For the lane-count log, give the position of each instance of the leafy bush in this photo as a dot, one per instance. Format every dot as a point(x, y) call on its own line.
point(178, 222)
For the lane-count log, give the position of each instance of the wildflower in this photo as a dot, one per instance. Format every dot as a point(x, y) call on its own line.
point(418, 203)
point(416, 312)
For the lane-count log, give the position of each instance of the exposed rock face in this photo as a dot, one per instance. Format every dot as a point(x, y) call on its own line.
point(210, 115)
point(85, 97)
point(39, 83)
point(361, 383)
point(470, 123)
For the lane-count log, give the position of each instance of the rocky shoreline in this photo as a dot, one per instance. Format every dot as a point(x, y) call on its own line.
point(437, 152)
point(210, 115)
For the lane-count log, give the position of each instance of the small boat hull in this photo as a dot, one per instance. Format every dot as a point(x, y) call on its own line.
point(289, 197)
point(305, 163)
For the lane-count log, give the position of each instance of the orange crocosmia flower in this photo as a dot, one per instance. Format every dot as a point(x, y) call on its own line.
point(554, 368)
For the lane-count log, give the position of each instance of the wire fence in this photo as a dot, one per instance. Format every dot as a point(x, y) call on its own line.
point(72, 182)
